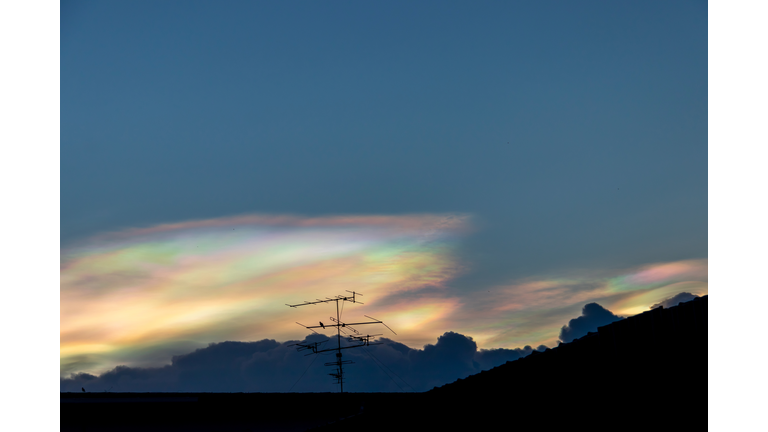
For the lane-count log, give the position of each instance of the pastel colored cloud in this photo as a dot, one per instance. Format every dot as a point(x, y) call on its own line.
point(140, 296)
point(127, 295)
point(532, 311)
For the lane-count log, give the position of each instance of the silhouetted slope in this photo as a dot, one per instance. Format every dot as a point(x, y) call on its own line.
point(655, 345)
point(648, 371)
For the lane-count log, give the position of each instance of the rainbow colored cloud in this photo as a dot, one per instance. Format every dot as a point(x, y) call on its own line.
point(532, 311)
point(140, 296)
point(127, 296)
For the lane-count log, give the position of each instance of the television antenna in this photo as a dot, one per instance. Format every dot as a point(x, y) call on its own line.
point(352, 334)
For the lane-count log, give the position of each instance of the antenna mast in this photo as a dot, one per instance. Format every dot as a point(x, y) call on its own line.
point(341, 327)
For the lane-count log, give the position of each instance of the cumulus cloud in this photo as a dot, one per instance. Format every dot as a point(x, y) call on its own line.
point(674, 301)
point(270, 366)
point(592, 316)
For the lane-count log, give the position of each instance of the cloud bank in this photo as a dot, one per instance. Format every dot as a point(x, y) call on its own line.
point(269, 366)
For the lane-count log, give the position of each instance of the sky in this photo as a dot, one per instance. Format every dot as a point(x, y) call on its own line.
point(481, 170)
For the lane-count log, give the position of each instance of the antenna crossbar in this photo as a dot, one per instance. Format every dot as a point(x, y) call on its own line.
point(338, 298)
point(341, 327)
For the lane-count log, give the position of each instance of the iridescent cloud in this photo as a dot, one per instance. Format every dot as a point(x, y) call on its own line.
point(532, 311)
point(128, 296)
point(140, 296)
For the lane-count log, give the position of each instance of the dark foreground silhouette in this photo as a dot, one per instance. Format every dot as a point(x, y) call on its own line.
point(647, 372)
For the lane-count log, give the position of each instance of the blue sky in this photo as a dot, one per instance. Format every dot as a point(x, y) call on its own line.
point(575, 133)
point(571, 137)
